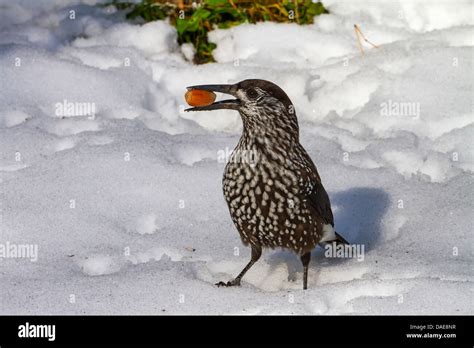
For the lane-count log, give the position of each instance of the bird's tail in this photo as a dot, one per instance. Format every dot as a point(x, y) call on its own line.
point(340, 239)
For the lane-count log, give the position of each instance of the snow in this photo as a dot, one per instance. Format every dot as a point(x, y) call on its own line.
point(11, 118)
point(146, 224)
point(125, 204)
point(125, 35)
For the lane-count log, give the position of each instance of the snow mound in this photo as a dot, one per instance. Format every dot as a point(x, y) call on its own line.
point(153, 38)
point(251, 43)
point(96, 265)
point(12, 118)
point(146, 224)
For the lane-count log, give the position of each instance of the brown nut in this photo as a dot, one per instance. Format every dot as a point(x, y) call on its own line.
point(198, 97)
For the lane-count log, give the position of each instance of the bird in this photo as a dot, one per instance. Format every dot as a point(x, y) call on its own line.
point(272, 187)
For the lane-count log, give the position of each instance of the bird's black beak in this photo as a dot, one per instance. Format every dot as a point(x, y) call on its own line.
point(232, 104)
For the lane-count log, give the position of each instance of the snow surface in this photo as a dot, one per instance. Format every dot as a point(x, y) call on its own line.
point(125, 204)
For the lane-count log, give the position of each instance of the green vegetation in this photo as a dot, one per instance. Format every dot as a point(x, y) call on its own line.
point(193, 23)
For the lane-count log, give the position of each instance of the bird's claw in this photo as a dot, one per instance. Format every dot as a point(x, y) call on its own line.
point(235, 282)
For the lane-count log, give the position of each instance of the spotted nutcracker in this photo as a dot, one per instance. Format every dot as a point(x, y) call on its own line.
point(271, 185)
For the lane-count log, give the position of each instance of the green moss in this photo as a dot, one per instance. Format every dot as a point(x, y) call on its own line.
point(193, 24)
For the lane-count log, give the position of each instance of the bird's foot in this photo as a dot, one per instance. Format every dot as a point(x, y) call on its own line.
point(235, 282)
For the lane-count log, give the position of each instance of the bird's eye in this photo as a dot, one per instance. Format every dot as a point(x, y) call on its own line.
point(252, 93)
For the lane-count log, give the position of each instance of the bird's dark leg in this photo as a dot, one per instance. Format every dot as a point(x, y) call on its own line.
point(256, 253)
point(305, 260)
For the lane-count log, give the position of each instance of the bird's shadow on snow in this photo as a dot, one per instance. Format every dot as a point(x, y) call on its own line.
point(358, 215)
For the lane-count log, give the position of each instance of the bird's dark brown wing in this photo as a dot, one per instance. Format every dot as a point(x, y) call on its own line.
point(313, 192)
point(319, 200)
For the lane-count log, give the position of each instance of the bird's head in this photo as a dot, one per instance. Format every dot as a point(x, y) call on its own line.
point(262, 104)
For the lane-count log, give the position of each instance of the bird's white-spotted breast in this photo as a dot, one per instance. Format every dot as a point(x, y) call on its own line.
point(263, 193)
